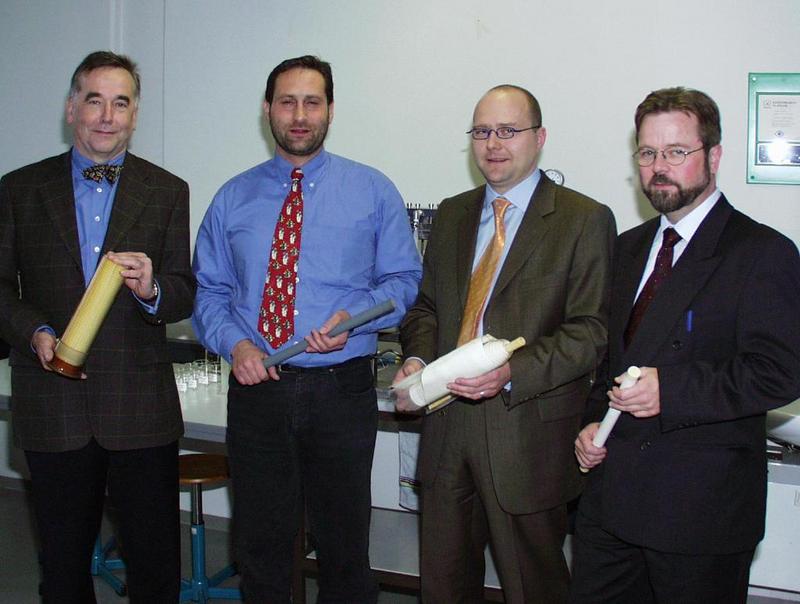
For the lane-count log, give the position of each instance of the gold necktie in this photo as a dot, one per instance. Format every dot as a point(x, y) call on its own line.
point(483, 275)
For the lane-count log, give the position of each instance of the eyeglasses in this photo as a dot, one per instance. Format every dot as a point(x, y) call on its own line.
point(506, 132)
point(674, 156)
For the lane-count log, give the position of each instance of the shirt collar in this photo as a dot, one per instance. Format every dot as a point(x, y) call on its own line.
point(81, 162)
point(519, 195)
point(688, 225)
point(313, 170)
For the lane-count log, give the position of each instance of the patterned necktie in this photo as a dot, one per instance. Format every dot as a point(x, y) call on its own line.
point(483, 275)
point(276, 317)
point(100, 171)
point(661, 271)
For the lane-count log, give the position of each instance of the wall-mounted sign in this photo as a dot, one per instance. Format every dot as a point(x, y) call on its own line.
point(773, 149)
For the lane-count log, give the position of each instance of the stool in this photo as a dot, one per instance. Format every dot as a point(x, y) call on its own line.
point(196, 470)
point(102, 565)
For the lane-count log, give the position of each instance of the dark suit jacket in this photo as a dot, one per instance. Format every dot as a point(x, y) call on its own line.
point(724, 334)
point(552, 289)
point(129, 399)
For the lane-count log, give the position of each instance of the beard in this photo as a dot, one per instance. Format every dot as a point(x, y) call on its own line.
point(300, 148)
point(666, 202)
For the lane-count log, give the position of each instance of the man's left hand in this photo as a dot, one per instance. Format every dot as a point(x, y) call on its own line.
point(484, 386)
point(137, 272)
point(320, 341)
point(640, 400)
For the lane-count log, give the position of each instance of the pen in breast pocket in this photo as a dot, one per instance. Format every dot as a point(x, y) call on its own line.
point(689, 318)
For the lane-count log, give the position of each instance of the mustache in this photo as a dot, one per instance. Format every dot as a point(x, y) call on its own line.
point(660, 179)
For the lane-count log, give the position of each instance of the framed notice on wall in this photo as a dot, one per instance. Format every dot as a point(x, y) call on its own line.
point(773, 149)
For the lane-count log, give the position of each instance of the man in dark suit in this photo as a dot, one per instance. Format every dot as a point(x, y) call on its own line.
point(496, 465)
point(117, 429)
point(675, 504)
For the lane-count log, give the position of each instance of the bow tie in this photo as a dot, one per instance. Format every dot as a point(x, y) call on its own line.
point(98, 172)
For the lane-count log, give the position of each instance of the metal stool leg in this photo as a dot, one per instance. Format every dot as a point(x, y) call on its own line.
point(102, 565)
point(199, 588)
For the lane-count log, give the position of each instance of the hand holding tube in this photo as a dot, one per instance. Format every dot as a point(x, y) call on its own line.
point(629, 378)
point(360, 319)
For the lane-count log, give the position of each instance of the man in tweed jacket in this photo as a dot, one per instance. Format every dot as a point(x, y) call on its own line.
point(118, 428)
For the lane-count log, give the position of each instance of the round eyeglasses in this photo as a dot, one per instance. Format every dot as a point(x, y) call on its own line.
point(674, 156)
point(506, 132)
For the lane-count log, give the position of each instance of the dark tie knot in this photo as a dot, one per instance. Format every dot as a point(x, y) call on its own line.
point(100, 171)
point(671, 237)
point(297, 174)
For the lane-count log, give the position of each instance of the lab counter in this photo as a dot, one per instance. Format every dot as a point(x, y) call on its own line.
point(204, 408)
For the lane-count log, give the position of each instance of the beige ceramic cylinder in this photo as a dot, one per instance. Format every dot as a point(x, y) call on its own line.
point(73, 347)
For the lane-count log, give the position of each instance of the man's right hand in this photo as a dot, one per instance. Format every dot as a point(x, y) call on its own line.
point(44, 343)
point(588, 455)
point(248, 364)
point(403, 401)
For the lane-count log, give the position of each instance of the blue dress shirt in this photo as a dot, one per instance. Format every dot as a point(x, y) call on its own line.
point(356, 251)
point(93, 203)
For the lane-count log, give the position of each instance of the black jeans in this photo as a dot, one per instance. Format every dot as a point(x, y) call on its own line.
point(68, 493)
point(311, 434)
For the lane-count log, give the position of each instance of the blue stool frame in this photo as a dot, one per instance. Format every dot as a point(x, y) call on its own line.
point(102, 565)
point(200, 587)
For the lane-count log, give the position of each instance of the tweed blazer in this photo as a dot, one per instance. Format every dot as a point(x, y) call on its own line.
point(553, 290)
point(129, 399)
point(724, 334)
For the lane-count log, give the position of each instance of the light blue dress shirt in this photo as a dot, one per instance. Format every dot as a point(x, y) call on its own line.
point(356, 251)
point(520, 197)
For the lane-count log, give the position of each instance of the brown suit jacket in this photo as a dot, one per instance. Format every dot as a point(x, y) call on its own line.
point(553, 290)
point(129, 399)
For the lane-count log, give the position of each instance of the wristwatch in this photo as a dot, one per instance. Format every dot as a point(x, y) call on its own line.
point(154, 297)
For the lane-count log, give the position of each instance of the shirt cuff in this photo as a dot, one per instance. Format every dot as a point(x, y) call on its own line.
point(151, 307)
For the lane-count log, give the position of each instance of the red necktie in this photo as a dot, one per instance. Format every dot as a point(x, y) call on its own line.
point(661, 271)
point(276, 317)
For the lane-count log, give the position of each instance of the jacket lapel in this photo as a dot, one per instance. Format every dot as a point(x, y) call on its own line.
point(467, 235)
point(59, 203)
point(693, 269)
point(630, 264)
point(530, 234)
point(129, 202)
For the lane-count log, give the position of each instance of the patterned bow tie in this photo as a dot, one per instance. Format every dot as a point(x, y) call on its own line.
point(100, 171)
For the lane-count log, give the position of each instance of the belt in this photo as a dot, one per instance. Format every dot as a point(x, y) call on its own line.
point(284, 368)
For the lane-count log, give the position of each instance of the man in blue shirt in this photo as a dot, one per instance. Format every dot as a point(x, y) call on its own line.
point(117, 429)
point(307, 429)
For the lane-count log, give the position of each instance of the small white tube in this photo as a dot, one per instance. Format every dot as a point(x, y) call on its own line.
point(629, 378)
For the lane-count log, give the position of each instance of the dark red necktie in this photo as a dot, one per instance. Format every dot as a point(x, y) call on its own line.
point(661, 271)
point(276, 317)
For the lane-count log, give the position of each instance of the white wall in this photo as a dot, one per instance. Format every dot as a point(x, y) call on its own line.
point(407, 77)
